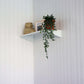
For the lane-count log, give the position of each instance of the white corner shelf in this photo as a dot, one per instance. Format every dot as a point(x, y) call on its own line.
point(58, 33)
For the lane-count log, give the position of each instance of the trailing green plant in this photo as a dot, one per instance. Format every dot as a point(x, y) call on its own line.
point(48, 28)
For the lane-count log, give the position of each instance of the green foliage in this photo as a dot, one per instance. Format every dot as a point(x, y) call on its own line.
point(48, 28)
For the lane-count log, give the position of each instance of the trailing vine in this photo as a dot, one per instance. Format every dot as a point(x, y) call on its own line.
point(48, 28)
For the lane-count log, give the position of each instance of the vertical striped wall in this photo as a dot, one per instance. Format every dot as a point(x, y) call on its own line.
point(66, 55)
point(16, 54)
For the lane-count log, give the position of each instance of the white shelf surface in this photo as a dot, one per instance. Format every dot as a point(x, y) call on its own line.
point(58, 33)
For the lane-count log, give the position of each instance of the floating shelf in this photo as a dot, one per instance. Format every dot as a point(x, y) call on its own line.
point(58, 33)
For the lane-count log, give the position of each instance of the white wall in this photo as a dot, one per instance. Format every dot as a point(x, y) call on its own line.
point(16, 54)
point(66, 55)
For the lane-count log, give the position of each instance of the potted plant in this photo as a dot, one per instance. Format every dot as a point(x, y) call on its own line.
point(48, 28)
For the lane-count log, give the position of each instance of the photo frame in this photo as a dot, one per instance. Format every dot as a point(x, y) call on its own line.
point(38, 25)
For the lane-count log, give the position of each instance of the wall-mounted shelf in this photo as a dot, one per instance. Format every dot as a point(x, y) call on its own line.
point(58, 33)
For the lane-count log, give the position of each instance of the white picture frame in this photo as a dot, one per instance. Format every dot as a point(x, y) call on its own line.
point(38, 25)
